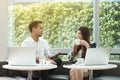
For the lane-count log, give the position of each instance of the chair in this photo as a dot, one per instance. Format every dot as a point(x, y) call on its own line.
point(62, 73)
point(93, 45)
point(59, 74)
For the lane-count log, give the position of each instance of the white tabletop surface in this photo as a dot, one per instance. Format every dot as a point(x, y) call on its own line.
point(30, 68)
point(91, 67)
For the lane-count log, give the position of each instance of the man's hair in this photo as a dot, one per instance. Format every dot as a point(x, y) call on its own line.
point(33, 24)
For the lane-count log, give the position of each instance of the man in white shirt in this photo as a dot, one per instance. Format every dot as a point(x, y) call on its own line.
point(40, 44)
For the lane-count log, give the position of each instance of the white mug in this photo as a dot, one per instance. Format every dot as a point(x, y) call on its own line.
point(80, 61)
point(42, 61)
point(77, 41)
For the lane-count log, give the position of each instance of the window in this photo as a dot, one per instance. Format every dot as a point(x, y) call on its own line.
point(61, 19)
point(109, 23)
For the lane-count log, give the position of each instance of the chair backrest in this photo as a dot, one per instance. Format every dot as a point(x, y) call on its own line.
point(93, 45)
point(63, 51)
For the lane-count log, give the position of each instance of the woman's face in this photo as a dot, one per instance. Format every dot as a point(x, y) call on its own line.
point(79, 34)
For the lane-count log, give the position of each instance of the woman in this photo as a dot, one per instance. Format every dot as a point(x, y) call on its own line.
point(79, 50)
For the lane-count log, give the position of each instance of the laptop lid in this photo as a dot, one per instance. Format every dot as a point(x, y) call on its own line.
point(97, 56)
point(21, 56)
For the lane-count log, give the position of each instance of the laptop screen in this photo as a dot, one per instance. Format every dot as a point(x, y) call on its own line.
point(21, 56)
point(97, 56)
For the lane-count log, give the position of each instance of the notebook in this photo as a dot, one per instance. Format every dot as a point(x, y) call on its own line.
point(97, 56)
point(21, 56)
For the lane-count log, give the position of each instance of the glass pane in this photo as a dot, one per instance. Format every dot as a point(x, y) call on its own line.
point(61, 19)
point(110, 23)
point(115, 57)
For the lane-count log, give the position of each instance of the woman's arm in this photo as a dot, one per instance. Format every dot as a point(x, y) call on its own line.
point(85, 43)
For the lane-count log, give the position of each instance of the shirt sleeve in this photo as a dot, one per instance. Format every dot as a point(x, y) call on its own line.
point(46, 48)
point(24, 44)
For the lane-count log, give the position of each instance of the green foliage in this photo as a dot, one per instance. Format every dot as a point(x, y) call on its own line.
point(62, 19)
point(109, 24)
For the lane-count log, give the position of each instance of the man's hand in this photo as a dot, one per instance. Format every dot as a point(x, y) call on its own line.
point(37, 59)
point(57, 54)
point(53, 62)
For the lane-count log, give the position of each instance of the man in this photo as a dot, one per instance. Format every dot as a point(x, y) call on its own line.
point(41, 46)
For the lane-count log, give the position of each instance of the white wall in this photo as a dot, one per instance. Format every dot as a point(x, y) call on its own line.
point(3, 29)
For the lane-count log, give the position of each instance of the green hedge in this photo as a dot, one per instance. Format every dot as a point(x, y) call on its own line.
point(61, 21)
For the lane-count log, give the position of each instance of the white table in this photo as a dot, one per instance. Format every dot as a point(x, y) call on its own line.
point(91, 68)
point(30, 68)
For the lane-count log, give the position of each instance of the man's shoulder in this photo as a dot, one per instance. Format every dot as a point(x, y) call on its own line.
point(27, 42)
point(43, 41)
point(29, 39)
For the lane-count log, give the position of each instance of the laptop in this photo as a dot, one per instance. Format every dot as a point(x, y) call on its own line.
point(21, 56)
point(97, 56)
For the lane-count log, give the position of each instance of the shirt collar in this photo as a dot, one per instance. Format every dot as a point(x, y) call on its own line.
point(32, 40)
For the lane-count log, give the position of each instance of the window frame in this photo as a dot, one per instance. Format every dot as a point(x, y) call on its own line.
point(95, 22)
point(3, 29)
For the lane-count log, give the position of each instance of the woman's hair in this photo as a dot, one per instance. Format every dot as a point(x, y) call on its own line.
point(86, 36)
point(85, 33)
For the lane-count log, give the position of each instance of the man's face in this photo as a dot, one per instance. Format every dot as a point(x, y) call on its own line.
point(39, 30)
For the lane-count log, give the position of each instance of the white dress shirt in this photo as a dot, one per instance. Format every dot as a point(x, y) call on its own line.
point(41, 47)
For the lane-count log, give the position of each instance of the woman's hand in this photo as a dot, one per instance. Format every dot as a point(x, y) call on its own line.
point(83, 42)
